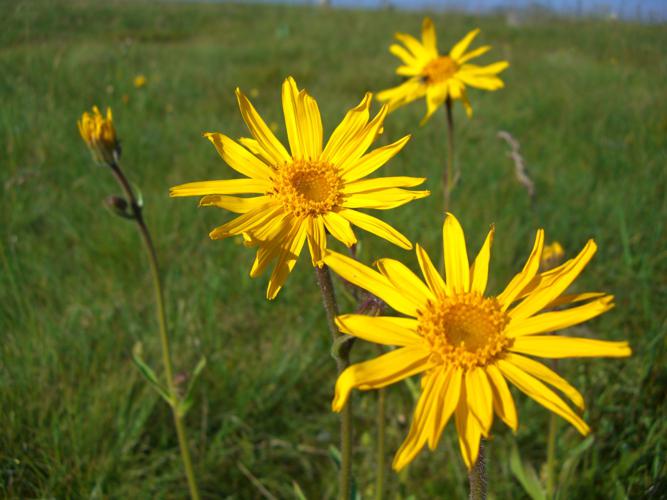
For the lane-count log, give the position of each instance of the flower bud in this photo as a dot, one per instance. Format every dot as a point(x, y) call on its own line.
point(118, 206)
point(99, 135)
point(552, 256)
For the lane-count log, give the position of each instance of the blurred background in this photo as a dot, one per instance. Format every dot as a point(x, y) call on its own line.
point(585, 100)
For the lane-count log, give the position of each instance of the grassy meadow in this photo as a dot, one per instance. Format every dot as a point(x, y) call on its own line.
point(586, 101)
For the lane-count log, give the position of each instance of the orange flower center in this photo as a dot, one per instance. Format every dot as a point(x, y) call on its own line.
point(440, 70)
point(465, 330)
point(308, 188)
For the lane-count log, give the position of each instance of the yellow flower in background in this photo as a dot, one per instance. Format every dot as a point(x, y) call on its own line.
point(99, 135)
point(552, 255)
point(436, 76)
point(305, 193)
point(467, 345)
point(140, 81)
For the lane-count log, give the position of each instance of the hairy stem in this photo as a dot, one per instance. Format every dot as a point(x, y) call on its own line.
point(447, 179)
point(477, 475)
point(379, 476)
point(162, 322)
point(341, 353)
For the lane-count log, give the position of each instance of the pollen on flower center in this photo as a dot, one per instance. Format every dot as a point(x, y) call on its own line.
point(308, 187)
point(465, 330)
point(440, 69)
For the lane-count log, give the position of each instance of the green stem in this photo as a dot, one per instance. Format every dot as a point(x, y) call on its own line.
point(551, 454)
point(379, 476)
point(551, 448)
point(449, 168)
point(341, 353)
point(162, 321)
point(477, 475)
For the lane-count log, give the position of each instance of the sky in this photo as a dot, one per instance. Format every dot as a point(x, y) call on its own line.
point(645, 10)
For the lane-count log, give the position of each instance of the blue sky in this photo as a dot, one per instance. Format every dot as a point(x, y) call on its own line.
point(654, 10)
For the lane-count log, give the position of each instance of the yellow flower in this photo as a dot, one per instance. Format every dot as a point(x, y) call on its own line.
point(100, 135)
point(465, 344)
point(308, 192)
point(439, 76)
point(552, 255)
point(140, 81)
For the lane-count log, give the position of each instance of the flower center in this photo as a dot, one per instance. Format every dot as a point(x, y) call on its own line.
point(308, 187)
point(439, 70)
point(465, 330)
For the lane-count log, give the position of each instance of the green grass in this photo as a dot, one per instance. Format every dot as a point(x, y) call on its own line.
point(585, 99)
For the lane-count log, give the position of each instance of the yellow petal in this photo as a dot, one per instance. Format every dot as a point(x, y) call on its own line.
point(417, 49)
point(429, 39)
point(468, 429)
point(349, 153)
point(422, 421)
point(567, 299)
point(255, 148)
point(272, 246)
point(555, 346)
point(458, 49)
point(339, 228)
point(405, 56)
point(239, 158)
point(474, 53)
point(540, 371)
point(355, 120)
point(286, 261)
point(380, 372)
point(539, 299)
point(542, 394)
point(488, 70)
point(480, 398)
point(503, 403)
point(233, 203)
point(260, 131)
point(231, 186)
point(457, 272)
point(247, 222)
point(435, 96)
point(293, 119)
point(384, 330)
point(406, 92)
point(479, 81)
point(448, 399)
point(312, 126)
point(369, 185)
point(431, 274)
point(412, 288)
point(557, 320)
point(519, 282)
point(376, 226)
point(480, 269)
point(370, 162)
point(317, 240)
point(358, 274)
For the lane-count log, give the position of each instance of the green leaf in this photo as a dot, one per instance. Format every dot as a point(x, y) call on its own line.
point(570, 464)
point(526, 475)
point(149, 374)
point(298, 492)
point(186, 403)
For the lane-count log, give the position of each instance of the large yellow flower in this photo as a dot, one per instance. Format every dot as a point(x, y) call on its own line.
point(305, 193)
point(465, 344)
point(439, 76)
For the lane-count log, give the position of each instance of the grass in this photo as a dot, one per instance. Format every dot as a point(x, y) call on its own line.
point(585, 100)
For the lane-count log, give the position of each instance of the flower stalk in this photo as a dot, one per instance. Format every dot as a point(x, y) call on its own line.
point(137, 215)
point(379, 476)
point(477, 475)
point(447, 181)
point(340, 350)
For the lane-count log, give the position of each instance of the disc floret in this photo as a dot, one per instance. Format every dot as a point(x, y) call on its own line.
point(465, 330)
point(308, 188)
